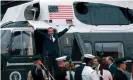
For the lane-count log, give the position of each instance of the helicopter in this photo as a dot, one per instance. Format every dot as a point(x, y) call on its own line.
point(101, 28)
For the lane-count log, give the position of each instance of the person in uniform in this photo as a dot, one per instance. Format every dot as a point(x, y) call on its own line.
point(101, 70)
point(79, 69)
point(111, 66)
point(88, 73)
point(37, 71)
point(121, 66)
point(61, 74)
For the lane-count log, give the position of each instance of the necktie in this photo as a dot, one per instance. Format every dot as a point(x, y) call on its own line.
point(51, 38)
point(71, 76)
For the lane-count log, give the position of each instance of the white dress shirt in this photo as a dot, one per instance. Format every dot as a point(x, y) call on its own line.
point(52, 38)
point(68, 74)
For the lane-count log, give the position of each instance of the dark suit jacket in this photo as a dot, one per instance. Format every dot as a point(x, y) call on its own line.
point(51, 48)
point(113, 69)
point(119, 75)
point(37, 73)
point(78, 72)
point(61, 74)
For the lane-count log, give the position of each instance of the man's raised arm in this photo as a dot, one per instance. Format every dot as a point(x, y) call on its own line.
point(64, 31)
point(40, 32)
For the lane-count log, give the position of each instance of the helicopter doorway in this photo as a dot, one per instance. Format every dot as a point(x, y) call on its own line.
point(39, 40)
point(109, 49)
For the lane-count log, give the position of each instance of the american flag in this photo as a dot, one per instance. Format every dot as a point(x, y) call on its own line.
point(60, 12)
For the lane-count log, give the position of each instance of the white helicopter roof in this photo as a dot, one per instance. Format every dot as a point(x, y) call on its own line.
point(122, 3)
point(81, 28)
point(40, 24)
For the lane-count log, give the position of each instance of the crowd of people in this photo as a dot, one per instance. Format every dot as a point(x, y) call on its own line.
point(92, 67)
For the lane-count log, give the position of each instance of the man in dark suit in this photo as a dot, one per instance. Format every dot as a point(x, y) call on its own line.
point(121, 66)
point(112, 67)
point(50, 47)
point(78, 70)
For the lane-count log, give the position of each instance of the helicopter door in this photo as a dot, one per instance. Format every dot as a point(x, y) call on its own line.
point(20, 60)
point(109, 49)
point(22, 43)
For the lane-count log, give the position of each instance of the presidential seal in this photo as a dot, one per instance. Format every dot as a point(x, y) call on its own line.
point(15, 75)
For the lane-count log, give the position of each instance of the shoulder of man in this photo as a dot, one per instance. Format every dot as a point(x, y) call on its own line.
point(29, 76)
point(90, 69)
point(113, 65)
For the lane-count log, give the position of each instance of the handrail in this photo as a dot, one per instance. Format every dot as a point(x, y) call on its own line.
point(80, 43)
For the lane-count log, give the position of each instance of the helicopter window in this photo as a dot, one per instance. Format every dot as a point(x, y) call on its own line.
point(27, 43)
point(5, 40)
point(17, 43)
point(104, 14)
point(88, 48)
point(107, 15)
point(109, 49)
point(22, 43)
point(81, 8)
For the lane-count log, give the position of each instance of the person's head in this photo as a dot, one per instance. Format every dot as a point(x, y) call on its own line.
point(50, 31)
point(61, 61)
point(88, 59)
point(70, 67)
point(96, 61)
point(109, 60)
point(104, 64)
point(121, 63)
point(37, 60)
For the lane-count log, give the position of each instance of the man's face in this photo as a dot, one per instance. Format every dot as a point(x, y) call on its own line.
point(95, 62)
point(61, 63)
point(107, 60)
point(51, 31)
point(38, 62)
point(124, 66)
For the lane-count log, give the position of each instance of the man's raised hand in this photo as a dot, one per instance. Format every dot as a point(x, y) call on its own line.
point(71, 25)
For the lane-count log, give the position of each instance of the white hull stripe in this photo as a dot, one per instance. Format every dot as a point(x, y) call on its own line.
point(18, 64)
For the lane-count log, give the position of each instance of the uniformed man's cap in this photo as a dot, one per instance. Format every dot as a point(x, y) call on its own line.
point(131, 58)
point(37, 57)
point(120, 60)
point(90, 56)
point(63, 58)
